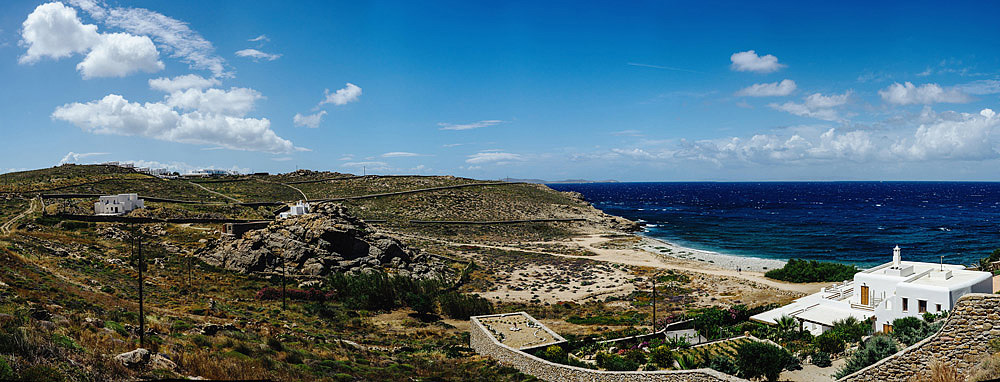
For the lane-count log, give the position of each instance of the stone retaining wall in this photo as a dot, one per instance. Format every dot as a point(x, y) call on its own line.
point(962, 342)
point(484, 343)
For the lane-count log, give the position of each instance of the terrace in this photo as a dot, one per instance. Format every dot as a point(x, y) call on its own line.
point(519, 330)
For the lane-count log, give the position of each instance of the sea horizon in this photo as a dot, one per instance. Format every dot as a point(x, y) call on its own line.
point(855, 222)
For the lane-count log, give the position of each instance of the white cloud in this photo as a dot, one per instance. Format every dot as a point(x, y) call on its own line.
point(968, 138)
point(234, 102)
point(281, 159)
point(943, 137)
point(773, 89)
point(72, 157)
point(262, 38)
point(115, 115)
point(257, 55)
point(120, 54)
point(628, 133)
point(469, 126)
point(399, 154)
point(172, 35)
point(187, 81)
point(311, 121)
point(981, 87)
point(749, 61)
point(349, 93)
point(53, 30)
point(909, 94)
point(493, 157)
point(816, 106)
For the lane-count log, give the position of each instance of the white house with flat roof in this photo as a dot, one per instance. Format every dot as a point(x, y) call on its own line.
point(889, 291)
point(300, 208)
point(117, 204)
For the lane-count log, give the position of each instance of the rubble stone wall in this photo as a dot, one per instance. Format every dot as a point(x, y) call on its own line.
point(962, 342)
point(484, 343)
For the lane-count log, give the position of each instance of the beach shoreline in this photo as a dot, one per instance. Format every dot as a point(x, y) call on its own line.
point(733, 262)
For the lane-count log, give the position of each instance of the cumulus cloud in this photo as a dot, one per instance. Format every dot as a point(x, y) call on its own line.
point(749, 61)
point(909, 94)
point(175, 37)
point(815, 106)
point(187, 81)
point(115, 115)
point(72, 157)
point(257, 55)
point(773, 89)
point(469, 126)
point(310, 121)
point(53, 30)
point(120, 54)
point(349, 93)
point(493, 157)
point(944, 136)
point(234, 102)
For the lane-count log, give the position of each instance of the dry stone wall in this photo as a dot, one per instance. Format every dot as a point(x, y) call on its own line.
point(484, 343)
point(962, 342)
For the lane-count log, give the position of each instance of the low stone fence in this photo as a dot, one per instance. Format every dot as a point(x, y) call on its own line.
point(962, 343)
point(484, 343)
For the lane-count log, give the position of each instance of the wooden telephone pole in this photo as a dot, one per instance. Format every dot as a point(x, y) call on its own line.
point(654, 304)
point(137, 252)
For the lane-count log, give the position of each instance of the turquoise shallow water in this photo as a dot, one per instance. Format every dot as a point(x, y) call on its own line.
point(856, 222)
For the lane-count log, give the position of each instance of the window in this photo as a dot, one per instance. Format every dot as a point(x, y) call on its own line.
point(938, 307)
point(906, 304)
point(921, 306)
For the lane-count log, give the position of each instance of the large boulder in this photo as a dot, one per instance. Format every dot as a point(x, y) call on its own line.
point(134, 359)
point(325, 241)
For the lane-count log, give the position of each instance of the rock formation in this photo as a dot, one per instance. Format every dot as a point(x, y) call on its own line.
point(326, 241)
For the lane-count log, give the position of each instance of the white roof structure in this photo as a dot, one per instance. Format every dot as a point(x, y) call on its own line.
point(889, 291)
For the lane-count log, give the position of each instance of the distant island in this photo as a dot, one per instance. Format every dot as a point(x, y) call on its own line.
point(543, 181)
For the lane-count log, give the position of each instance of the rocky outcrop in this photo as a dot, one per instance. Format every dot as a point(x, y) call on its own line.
point(326, 241)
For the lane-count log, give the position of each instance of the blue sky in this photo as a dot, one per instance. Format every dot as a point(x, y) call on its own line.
point(553, 90)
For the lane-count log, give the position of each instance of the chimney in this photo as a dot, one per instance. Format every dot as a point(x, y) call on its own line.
point(895, 256)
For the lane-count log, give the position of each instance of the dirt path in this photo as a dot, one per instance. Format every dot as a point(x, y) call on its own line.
point(217, 193)
point(7, 227)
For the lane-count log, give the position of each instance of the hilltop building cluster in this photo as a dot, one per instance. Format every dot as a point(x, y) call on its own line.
point(887, 292)
point(117, 204)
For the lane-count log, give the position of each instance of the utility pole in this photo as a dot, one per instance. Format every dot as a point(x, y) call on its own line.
point(137, 248)
point(654, 304)
point(283, 274)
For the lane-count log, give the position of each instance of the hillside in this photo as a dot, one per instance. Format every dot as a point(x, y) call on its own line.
point(379, 280)
point(68, 290)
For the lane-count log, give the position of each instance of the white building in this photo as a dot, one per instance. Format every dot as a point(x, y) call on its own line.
point(117, 204)
point(300, 208)
point(889, 291)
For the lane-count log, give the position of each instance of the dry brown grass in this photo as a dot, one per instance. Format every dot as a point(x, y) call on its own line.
point(210, 366)
point(940, 372)
point(988, 369)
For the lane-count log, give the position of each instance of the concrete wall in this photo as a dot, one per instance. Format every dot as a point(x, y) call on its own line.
point(485, 344)
point(962, 342)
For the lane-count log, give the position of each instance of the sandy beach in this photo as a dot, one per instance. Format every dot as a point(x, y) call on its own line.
point(733, 262)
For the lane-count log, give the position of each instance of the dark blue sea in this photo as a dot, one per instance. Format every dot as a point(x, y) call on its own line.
point(855, 222)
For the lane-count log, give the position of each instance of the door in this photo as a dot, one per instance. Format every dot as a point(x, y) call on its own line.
point(864, 295)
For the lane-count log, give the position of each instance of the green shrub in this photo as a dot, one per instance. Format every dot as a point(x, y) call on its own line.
point(829, 342)
point(118, 328)
point(851, 330)
point(201, 341)
point(65, 342)
point(723, 364)
point(872, 351)
point(462, 306)
point(554, 353)
point(614, 362)
point(808, 271)
point(662, 356)
point(910, 330)
point(821, 359)
point(6, 372)
point(758, 359)
point(275, 344)
point(636, 355)
point(41, 373)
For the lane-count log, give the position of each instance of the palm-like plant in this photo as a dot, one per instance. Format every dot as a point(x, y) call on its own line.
point(786, 324)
